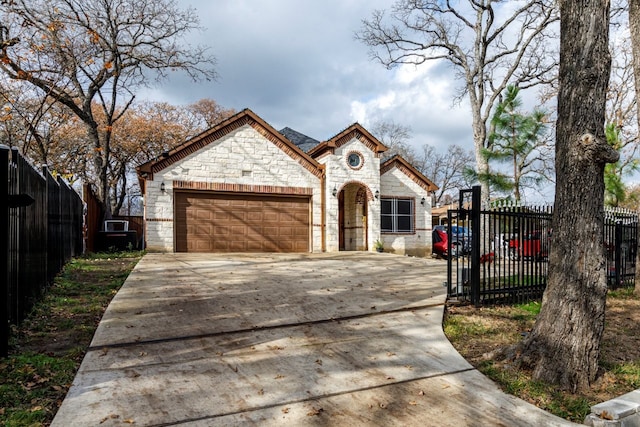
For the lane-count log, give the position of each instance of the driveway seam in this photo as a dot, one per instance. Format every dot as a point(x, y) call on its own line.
point(315, 398)
point(263, 328)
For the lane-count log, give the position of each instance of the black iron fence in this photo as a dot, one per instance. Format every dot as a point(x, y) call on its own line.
point(512, 243)
point(41, 220)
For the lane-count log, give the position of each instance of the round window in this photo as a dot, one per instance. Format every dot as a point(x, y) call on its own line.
point(354, 160)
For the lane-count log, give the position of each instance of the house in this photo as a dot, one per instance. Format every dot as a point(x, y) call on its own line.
point(243, 186)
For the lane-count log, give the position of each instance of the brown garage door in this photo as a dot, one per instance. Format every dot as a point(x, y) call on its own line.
point(223, 222)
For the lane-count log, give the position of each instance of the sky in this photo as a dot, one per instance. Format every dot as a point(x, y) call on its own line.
point(296, 63)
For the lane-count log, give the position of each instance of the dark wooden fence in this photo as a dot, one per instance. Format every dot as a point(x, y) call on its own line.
point(94, 224)
point(41, 222)
point(508, 249)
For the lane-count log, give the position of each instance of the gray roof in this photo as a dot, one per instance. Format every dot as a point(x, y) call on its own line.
point(304, 142)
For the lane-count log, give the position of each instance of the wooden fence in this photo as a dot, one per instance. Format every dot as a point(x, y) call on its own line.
point(41, 220)
point(94, 223)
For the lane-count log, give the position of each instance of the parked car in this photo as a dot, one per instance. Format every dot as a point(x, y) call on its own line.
point(460, 241)
point(533, 245)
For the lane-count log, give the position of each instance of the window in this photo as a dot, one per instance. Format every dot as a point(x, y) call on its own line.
point(396, 215)
point(354, 160)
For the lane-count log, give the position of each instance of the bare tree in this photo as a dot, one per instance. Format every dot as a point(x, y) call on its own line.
point(564, 344)
point(446, 170)
point(489, 43)
point(634, 28)
point(396, 137)
point(81, 52)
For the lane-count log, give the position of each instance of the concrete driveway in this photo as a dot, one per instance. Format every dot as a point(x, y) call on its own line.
point(273, 339)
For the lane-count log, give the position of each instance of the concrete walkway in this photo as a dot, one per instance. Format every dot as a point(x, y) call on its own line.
point(349, 339)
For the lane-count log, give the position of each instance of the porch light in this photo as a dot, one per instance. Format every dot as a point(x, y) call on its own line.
point(422, 201)
point(335, 191)
point(377, 194)
point(162, 187)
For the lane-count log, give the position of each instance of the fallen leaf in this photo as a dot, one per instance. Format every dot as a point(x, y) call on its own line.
point(314, 412)
point(128, 421)
point(421, 393)
point(390, 353)
point(285, 410)
point(279, 377)
point(36, 408)
point(413, 403)
point(276, 347)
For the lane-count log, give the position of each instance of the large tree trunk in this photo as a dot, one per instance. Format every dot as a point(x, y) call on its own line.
point(634, 28)
point(564, 345)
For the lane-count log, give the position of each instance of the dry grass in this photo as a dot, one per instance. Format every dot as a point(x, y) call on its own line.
point(477, 333)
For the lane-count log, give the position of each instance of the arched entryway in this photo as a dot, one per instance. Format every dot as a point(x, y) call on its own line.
point(353, 203)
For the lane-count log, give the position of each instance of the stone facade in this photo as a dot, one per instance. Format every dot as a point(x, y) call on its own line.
point(396, 183)
point(243, 157)
point(343, 176)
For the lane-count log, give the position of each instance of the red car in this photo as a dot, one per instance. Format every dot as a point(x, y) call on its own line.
point(533, 245)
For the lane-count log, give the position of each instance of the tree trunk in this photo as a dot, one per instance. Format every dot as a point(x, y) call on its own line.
point(634, 28)
point(564, 345)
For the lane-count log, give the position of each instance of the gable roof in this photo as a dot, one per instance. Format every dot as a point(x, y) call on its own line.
point(355, 131)
point(406, 168)
point(244, 117)
point(304, 142)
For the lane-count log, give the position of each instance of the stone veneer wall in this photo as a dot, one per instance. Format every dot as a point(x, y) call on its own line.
point(397, 184)
point(242, 157)
point(340, 174)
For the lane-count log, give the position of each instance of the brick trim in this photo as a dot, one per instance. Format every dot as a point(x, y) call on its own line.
point(159, 219)
point(420, 180)
point(199, 144)
point(242, 188)
point(361, 184)
point(286, 148)
point(245, 117)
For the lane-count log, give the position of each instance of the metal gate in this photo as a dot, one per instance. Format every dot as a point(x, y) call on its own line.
point(501, 254)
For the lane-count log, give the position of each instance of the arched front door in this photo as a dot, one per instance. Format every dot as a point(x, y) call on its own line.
point(352, 218)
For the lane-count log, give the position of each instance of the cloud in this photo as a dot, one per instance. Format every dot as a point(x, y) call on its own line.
point(296, 63)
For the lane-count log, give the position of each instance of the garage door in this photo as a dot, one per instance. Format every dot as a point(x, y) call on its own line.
point(223, 222)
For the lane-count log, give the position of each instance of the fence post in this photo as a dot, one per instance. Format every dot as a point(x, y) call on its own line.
point(475, 244)
point(618, 255)
point(4, 251)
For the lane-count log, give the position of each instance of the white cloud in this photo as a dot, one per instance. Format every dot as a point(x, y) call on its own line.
point(296, 63)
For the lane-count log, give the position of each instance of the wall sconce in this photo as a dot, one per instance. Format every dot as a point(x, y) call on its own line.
point(335, 191)
point(377, 194)
point(162, 187)
point(422, 201)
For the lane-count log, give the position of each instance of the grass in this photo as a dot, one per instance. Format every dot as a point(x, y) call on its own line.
point(477, 333)
point(47, 348)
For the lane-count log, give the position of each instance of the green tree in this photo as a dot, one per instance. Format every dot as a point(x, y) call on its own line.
point(615, 190)
point(517, 139)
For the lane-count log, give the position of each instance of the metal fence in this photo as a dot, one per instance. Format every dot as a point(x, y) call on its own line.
point(512, 244)
point(41, 222)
